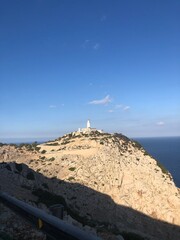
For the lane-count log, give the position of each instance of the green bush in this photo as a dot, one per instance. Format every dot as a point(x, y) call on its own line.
point(2, 144)
point(72, 168)
point(137, 145)
point(122, 137)
point(65, 142)
point(163, 169)
point(43, 151)
point(37, 149)
point(52, 144)
point(34, 144)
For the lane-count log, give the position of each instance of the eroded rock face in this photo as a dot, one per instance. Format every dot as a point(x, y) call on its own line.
point(106, 179)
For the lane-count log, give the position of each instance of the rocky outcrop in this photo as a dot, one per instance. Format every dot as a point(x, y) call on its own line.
point(106, 180)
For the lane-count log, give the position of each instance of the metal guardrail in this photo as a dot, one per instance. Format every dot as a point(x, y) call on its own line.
point(52, 226)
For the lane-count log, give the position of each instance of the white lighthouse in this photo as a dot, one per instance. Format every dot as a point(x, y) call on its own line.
point(88, 129)
point(88, 124)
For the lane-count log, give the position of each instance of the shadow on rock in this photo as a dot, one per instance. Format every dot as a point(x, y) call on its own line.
point(88, 206)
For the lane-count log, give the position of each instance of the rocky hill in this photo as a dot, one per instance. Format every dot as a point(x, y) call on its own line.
point(106, 181)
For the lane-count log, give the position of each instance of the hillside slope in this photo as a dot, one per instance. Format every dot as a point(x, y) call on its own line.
point(105, 179)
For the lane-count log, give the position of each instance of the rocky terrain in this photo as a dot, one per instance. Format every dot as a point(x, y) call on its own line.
point(13, 226)
point(107, 183)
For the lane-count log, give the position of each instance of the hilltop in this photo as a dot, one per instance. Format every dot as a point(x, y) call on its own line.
point(107, 181)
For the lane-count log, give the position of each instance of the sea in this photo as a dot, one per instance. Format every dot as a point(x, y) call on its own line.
point(167, 151)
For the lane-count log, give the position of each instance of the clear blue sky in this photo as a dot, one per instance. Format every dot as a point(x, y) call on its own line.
point(116, 63)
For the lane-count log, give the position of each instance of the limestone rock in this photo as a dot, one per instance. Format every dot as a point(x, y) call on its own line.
point(108, 180)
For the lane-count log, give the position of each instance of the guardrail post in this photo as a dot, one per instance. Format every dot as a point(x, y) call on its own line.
point(57, 210)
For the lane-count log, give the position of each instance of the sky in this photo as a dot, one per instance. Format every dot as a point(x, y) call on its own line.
point(116, 63)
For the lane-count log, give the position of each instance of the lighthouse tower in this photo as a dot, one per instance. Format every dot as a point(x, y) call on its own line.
point(88, 129)
point(88, 124)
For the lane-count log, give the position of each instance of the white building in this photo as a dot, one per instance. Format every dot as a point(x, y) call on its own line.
point(88, 128)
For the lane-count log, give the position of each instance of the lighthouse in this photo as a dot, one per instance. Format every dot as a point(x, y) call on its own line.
point(88, 129)
point(88, 124)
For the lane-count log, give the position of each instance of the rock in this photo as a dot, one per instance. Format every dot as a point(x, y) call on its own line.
point(89, 229)
point(14, 226)
point(119, 237)
point(103, 178)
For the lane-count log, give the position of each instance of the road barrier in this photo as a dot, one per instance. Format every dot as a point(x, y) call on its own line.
point(52, 226)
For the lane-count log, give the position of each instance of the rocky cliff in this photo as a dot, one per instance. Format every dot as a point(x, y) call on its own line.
point(106, 181)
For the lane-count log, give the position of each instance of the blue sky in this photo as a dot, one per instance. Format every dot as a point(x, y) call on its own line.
point(116, 63)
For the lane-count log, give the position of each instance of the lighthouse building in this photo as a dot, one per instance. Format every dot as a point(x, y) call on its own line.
point(88, 128)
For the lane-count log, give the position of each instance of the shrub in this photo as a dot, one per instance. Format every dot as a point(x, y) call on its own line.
point(45, 185)
point(34, 144)
point(131, 236)
point(73, 198)
point(30, 176)
point(8, 168)
point(43, 151)
point(48, 198)
point(37, 148)
point(137, 145)
point(65, 142)
point(52, 144)
point(72, 168)
point(5, 236)
point(71, 178)
point(140, 147)
point(21, 145)
point(18, 167)
point(2, 144)
point(163, 169)
point(122, 137)
point(26, 187)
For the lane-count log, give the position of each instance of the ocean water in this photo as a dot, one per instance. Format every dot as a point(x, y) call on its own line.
point(24, 140)
point(167, 151)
